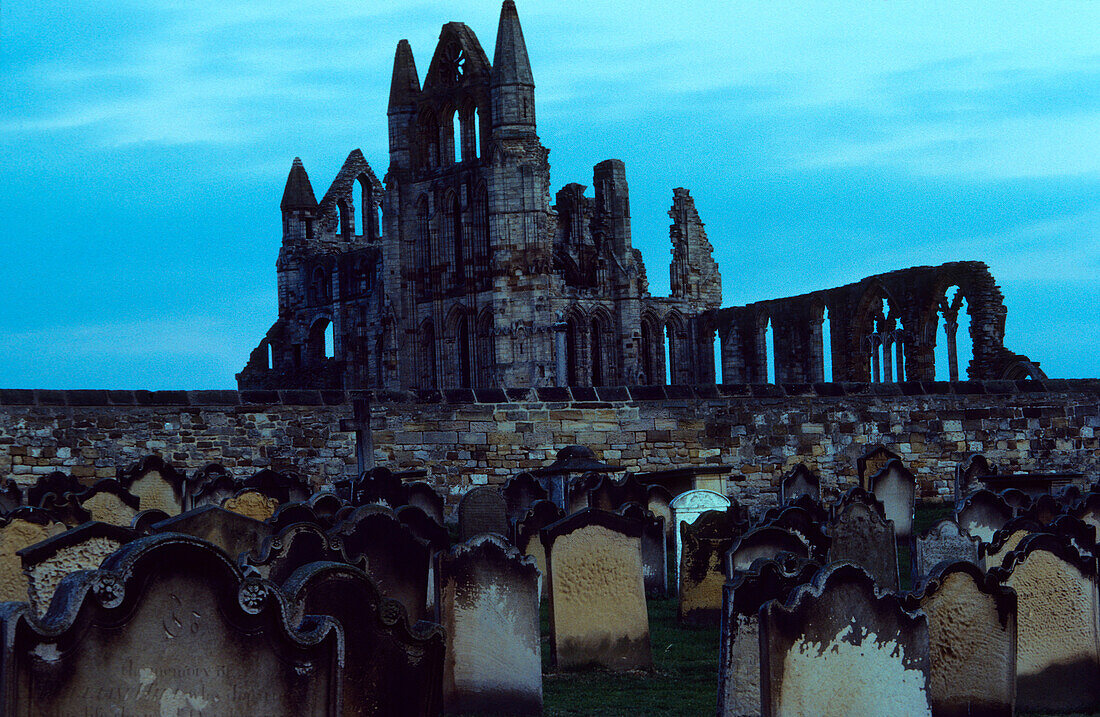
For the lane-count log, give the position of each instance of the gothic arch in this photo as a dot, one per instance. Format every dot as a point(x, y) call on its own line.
point(652, 351)
point(485, 349)
point(601, 348)
point(679, 352)
point(576, 348)
point(426, 365)
point(458, 351)
point(874, 333)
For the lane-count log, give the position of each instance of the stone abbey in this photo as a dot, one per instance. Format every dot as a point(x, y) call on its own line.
point(456, 271)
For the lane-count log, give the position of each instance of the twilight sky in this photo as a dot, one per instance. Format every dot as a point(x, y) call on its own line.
point(144, 147)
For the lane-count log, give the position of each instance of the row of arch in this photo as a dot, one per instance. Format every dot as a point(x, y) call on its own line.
point(367, 220)
point(459, 137)
point(449, 237)
point(462, 356)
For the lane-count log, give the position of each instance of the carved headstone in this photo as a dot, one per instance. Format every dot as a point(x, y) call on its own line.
point(969, 474)
point(654, 548)
point(423, 496)
point(296, 545)
point(800, 481)
point(325, 506)
point(291, 513)
point(1043, 510)
point(167, 626)
point(739, 651)
point(982, 514)
point(252, 504)
point(488, 606)
point(21, 528)
point(55, 486)
point(283, 487)
point(541, 514)
point(378, 485)
point(232, 532)
point(108, 502)
point(688, 506)
point(702, 568)
point(211, 485)
point(871, 462)
point(862, 536)
point(807, 525)
point(896, 487)
point(659, 502)
point(839, 647)
point(766, 542)
point(482, 510)
point(1058, 625)
point(1005, 540)
point(519, 494)
point(1088, 510)
point(597, 592)
point(943, 542)
point(972, 641)
point(156, 483)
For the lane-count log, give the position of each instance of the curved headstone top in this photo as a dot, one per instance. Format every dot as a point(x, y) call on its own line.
point(699, 500)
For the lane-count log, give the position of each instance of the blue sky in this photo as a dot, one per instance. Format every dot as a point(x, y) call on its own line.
point(144, 147)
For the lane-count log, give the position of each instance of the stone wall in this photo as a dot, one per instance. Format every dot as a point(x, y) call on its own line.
point(466, 437)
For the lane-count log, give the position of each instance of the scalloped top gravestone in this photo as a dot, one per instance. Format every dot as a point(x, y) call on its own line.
point(944, 542)
point(252, 504)
point(597, 592)
point(800, 481)
point(210, 485)
point(896, 487)
point(541, 514)
point(167, 626)
point(298, 544)
point(983, 513)
point(231, 532)
point(156, 484)
point(482, 510)
point(688, 506)
point(519, 493)
point(765, 542)
point(871, 462)
point(423, 496)
point(108, 502)
point(488, 605)
point(20, 529)
point(659, 502)
point(862, 536)
point(839, 647)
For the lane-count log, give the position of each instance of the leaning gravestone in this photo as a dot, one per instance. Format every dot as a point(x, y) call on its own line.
point(688, 506)
point(156, 483)
point(168, 625)
point(800, 481)
point(519, 495)
point(84, 547)
point(739, 655)
point(296, 545)
point(838, 646)
point(972, 641)
point(896, 487)
point(654, 548)
point(983, 513)
point(1058, 625)
point(391, 667)
point(705, 544)
point(488, 605)
point(108, 502)
point(765, 542)
point(423, 496)
point(597, 592)
point(862, 536)
point(943, 542)
point(21, 528)
point(482, 510)
point(541, 514)
point(232, 532)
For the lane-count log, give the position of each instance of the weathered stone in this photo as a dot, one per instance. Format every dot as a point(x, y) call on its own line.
point(654, 548)
point(838, 646)
point(798, 482)
point(482, 510)
point(519, 493)
point(293, 547)
point(702, 568)
point(283, 487)
point(862, 536)
point(597, 592)
point(156, 483)
point(488, 606)
point(943, 542)
point(982, 514)
point(528, 530)
point(252, 504)
point(688, 506)
point(765, 542)
point(210, 485)
point(798, 519)
point(21, 529)
point(873, 460)
point(423, 496)
point(659, 502)
point(896, 487)
point(232, 532)
point(108, 502)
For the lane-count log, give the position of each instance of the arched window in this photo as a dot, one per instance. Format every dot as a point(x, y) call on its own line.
point(367, 217)
point(477, 133)
point(455, 226)
point(423, 237)
point(486, 350)
point(320, 289)
point(953, 326)
point(462, 337)
point(428, 377)
point(428, 132)
point(269, 353)
point(595, 337)
point(573, 359)
point(827, 347)
point(319, 345)
point(456, 138)
point(769, 369)
point(652, 352)
point(716, 350)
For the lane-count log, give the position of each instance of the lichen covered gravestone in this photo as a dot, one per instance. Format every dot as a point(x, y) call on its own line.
point(482, 510)
point(156, 484)
point(702, 564)
point(862, 536)
point(528, 529)
point(896, 487)
point(688, 506)
point(20, 529)
point(983, 513)
point(943, 542)
point(252, 504)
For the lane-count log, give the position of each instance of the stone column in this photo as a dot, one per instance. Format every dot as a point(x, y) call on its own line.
point(876, 373)
point(561, 367)
point(888, 356)
point(950, 327)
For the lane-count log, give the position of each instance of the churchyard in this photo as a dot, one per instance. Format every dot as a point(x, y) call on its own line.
point(159, 591)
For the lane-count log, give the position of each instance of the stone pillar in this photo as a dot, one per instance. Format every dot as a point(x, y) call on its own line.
point(561, 367)
point(887, 356)
point(950, 327)
point(876, 374)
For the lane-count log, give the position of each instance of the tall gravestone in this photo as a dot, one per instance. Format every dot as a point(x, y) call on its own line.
point(659, 502)
point(210, 485)
point(156, 484)
point(654, 548)
point(765, 542)
point(838, 646)
point(424, 496)
point(520, 493)
point(798, 482)
point(943, 542)
point(283, 487)
point(972, 641)
point(108, 502)
point(528, 530)
point(739, 649)
point(482, 510)
point(982, 514)
point(21, 529)
point(702, 568)
point(168, 625)
point(873, 460)
point(1058, 625)
point(861, 535)
point(597, 592)
point(896, 487)
point(488, 605)
point(688, 506)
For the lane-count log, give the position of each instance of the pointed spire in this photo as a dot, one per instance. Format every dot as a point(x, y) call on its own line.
point(405, 86)
point(510, 63)
point(299, 192)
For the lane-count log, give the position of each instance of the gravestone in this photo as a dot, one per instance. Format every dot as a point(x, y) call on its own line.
point(654, 548)
point(252, 504)
point(21, 528)
point(609, 494)
point(1043, 510)
point(488, 605)
point(55, 486)
point(482, 510)
point(597, 592)
point(1005, 540)
point(1016, 498)
point(108, 502)
point(1058, 625)
point(391, 667)
point(423, 496)
point(168, 625)
point(528, 530)
point(210, 485)
point(943, 542)
point(688, 506)
point(1088, 510)
point(424, 527)
point(232, 532)
point(659, 502)
point(798, 482)
point(983, 513)
point(739, 651)
point(156, 483)
point(896, 487)
point(519, 493)
point(871, 462)
point(376, 486)
point(807, 525)
point(144, 521)
point(291, 513)
point(283, 487)
point(765, 542)
point(397, 560)
point(969, 475)
point(11, 495)
point(325, 506)
point(862, 536)
point(972, 641)
point(296, 545)
point(839, 647)
point(702, 564)
point(579, 490)
point(84, 547)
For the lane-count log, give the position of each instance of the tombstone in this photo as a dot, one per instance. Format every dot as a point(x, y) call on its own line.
point(1016, 499)
point(252, 504)
point(541, 514)
point(11, 496)
point(325, 506)
point(519, 494)
point(232, 532)
point(862, 536)
point(766, 542)
point(488, 605)
point(1004, 541)
point(108, 502)
point(1088, 510)
point(659, 502)
point(654, 548)
point(858, 495)
point(702, 562)
point(739, 651)
point(983, 513)
point(84, 547)
point(291, 513)
point(210, 485)
point(144, 521)
point(424, 527)
point(606, 493)
point(283, 487)
point(168, 625)
point(376, 486)
point(579, 490)
point(972, 641)
point(798, 482)
point(21, 528)
point(1058, 626)
point(482, 510)
point(65, 508)
point(806, 525)
point(597, 592)
point(391, 667)
point(838, 646)
point(1069, 496)
point(1043, 510)
point(156, 483)
point(873, 461)
point(896, 487)
point(294, 546)
point(397, 560)
point(944, 542)
point(423, 496)
point(570, 460)
point(969, 475)
point(688, 506)
point(56, 484)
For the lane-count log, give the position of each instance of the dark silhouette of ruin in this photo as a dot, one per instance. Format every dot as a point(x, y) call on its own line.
point(457, 272)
